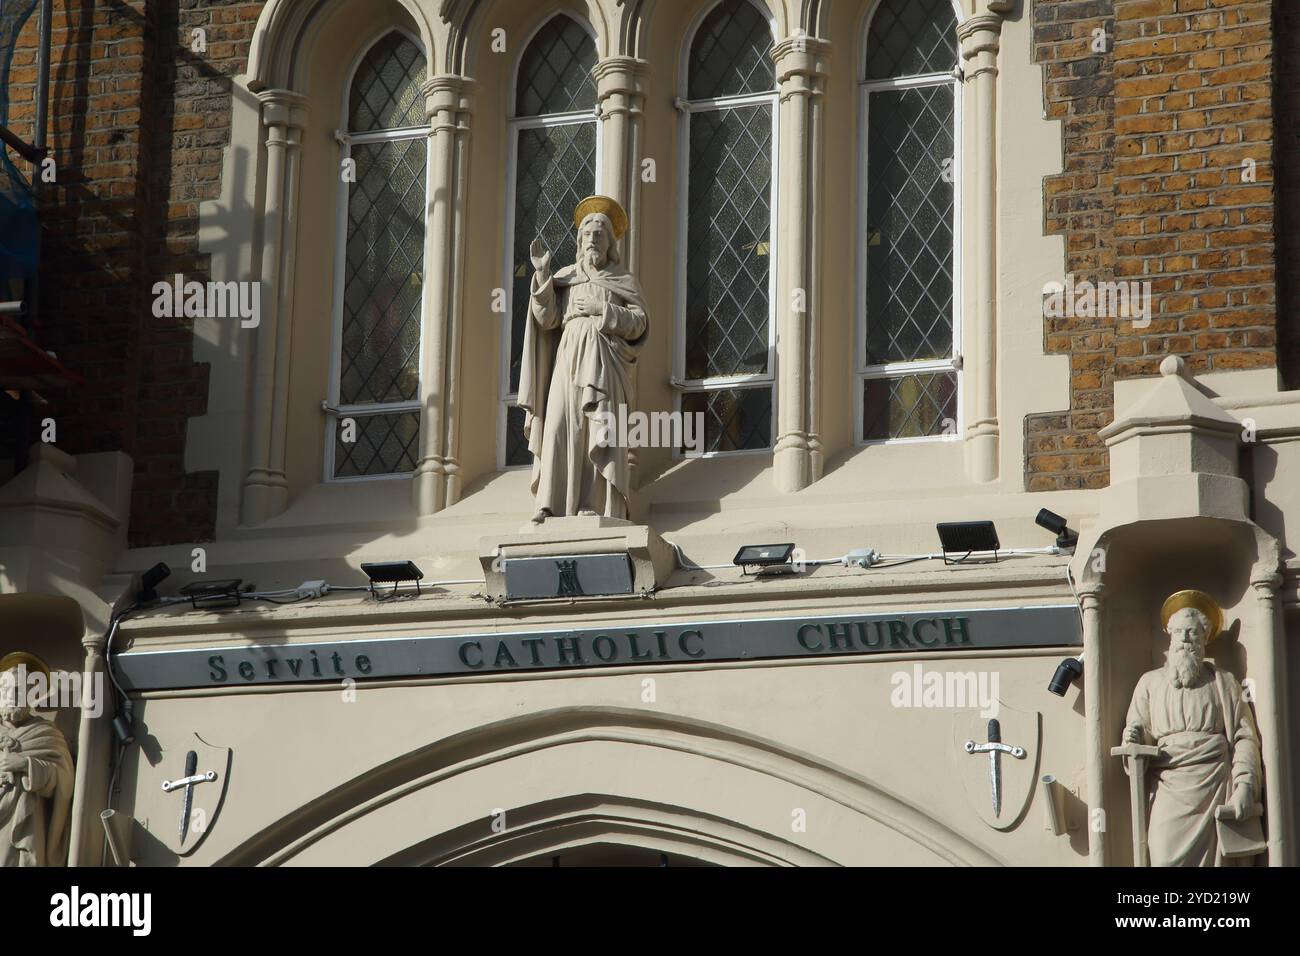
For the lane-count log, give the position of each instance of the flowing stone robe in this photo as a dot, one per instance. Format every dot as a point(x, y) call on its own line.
point(577, 370)
point(1206, 754)
point(35, 806)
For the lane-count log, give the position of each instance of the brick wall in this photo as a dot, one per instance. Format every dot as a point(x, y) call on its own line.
point(138, 122)
point(1156, 130)
point(1287, 149)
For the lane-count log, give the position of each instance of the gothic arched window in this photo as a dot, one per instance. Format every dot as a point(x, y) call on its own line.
point(554, 150)
point(379, 275)
point(723, 362)
point(908, 266)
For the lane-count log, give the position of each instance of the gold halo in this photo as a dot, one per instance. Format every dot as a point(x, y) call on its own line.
point(1197, 600)
point(607, 207)
point(10, 661)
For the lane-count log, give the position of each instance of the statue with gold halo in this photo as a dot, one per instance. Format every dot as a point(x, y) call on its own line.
point(585, 324)
point(1207, 774)
point(36, 774)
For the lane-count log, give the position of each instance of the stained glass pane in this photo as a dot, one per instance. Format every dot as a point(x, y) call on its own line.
point(383, 274)
point(734, 419)
point(732, 53)
point(910, 38)
point(555, 70)
point(728, 249)
point(386, 91)
point(912, 406)
point(909, 225)
point(385, 445)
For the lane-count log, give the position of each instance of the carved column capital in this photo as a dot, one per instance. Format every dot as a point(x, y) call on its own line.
point(620, 86)
point(980, 38)
point(447, 91)
point(284, 109)
point(801, 65)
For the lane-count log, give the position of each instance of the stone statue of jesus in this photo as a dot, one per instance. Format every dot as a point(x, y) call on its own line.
point(1209, 749)
point(585, 325)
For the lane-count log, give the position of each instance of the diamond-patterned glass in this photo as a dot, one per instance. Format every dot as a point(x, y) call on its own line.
point(386, 91)
point(911, 406)
point(517, 452)
point(385, 445)
point(911, 38)
point(731, 53)
point(909, 225)
point(728, 247)
point(555, 170)
point(555, 70)
point(383, 275)
point(734, 419)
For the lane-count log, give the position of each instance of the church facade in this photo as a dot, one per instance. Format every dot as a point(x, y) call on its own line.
point(953, 529)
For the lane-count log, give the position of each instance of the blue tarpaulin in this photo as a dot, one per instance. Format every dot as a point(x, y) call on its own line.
point(19, 239)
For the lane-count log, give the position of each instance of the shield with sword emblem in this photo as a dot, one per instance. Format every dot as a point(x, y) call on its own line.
point(996, 759)
point(192, 786)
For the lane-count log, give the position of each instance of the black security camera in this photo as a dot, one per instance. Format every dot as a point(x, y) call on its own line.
point(150, 580)
point(1067, 672)
point(1065, 538)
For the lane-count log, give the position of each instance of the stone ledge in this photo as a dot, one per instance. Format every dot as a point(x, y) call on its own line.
point(653, 559)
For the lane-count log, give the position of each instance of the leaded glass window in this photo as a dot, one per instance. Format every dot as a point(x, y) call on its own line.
point(554, 141)
point(380, 277)
point(724, 358)
point(907, 359)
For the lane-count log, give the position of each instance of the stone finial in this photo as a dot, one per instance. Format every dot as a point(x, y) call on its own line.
point(1174, 365)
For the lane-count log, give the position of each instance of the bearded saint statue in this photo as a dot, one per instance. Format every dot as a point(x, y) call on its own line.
point(36, 774)
point(1209, 748)
point(585, 324)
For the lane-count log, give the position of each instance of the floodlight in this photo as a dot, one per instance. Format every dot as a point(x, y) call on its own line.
point(967, 537)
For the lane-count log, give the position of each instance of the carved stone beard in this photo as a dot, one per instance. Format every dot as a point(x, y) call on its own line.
point(13, 716)
point(591, 260)
point(1185, 664)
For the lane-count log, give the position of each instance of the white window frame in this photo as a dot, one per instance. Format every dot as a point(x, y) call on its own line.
point(681, 385)
point(334, 412)
point(863, 371)
point(513, 125)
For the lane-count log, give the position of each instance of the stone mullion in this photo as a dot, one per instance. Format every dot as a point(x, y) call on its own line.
point(446, 98)
point(801, 72)
point(265, 492)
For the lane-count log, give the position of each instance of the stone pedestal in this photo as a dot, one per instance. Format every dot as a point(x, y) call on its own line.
point(652, 559)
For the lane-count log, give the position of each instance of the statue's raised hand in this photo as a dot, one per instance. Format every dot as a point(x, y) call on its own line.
point(541, 259)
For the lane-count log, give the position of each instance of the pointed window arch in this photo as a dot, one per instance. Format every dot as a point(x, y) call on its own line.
point(554, 143)
point(379, 271)
point(909, 303)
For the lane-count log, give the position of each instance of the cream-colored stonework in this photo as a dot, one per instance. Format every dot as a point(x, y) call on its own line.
point(806, 760)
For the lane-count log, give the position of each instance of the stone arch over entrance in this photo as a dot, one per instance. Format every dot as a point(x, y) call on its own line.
point(548, 782)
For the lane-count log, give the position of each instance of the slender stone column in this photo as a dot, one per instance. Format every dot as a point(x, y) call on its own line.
point(1271, 670)
point(94, 745)
point(801, 74)
point(620, 100)
point(457, 315)
point(447, 108)
point(266, 493)
point(1097, 751)
point(979, 37)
